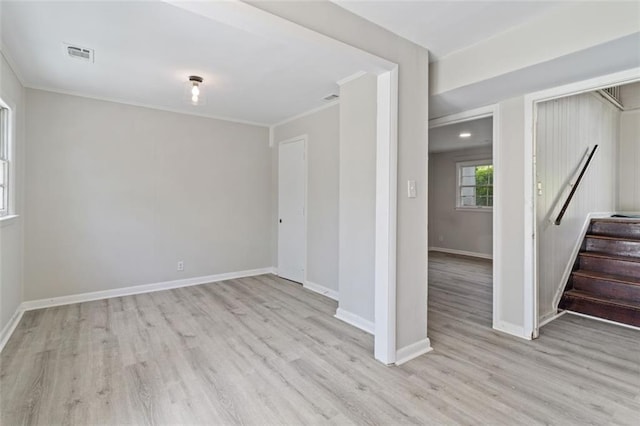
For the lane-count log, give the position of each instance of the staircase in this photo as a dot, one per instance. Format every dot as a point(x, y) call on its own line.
point(605, 282)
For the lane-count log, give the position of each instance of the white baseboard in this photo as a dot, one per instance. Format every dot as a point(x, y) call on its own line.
point(413, 350)
point(8, 329)
point(546, 320)
point(139, 289)
point(355, 320)
point(512, 329)
point(325, 291)
point(462, 252)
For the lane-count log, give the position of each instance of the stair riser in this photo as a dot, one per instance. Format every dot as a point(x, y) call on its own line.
point(624, 315)
point(616, 247)
point(604, 288)
point(610, 266)
point(616, 229)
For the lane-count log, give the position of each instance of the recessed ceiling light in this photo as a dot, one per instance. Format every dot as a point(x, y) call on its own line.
point(465, 135)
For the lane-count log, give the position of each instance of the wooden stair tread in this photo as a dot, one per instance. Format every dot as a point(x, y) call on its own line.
point(617, 220)
point(601, 255)
point(602, 300)
point(607, 277)
point(609, 238)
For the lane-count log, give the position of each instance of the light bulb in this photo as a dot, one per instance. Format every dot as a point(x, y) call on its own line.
point(195, 90)
point(194, 99)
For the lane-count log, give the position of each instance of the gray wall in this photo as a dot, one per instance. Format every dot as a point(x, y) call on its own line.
point(11, 231)
point(358, 196)
point(629, 155)
point(566, 128)
point(323, 138)
point(450, 228)
point(510, 183)
point(118, 194)
point(413, 73)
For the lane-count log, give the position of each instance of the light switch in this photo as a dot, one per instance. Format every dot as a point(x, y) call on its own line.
point(411, 189)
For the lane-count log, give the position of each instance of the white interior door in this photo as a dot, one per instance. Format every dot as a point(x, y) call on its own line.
point(291, 210)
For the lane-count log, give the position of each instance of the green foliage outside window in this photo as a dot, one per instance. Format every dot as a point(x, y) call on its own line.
point(484, 186)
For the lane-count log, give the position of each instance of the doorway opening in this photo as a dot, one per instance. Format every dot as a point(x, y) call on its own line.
point(585, 174)
point(532, 320)
point(463, 223)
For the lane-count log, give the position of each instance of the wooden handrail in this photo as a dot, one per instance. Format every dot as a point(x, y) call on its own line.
point(575, 188)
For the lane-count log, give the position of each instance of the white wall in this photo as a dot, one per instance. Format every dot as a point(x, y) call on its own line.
point(566, 129)
point(11, 231)
point(629, 155)
point(335, 22)
point(356, 266)
point(562, 31)
point(323, 138)
point(118, 194)
point(451, 228)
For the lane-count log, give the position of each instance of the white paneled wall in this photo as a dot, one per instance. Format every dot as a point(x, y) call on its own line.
point(629, 198)
point(566, 129)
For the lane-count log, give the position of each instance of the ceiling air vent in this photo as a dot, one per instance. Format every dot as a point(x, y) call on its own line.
point(331, 97)
point(78, 52)
point(612, 94)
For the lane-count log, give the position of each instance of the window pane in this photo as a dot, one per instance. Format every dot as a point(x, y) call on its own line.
point(468, 191)
point(2, 201)
point(469, 201)
point(3, 172)
point(468, 180)
point(469, 171)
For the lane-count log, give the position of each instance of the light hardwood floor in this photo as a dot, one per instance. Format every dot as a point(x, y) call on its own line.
point(265, 351)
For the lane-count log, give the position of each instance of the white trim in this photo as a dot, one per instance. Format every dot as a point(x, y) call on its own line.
point(306, 113)
point(462, 252)
point(621, 324)
point(530, 111)
point(474, 114)
point(271, 135)
point(320, 289)
point(143, 105)
point(8, 329)
point(8, 220)
point(355, 320)
point(140, 289)
point(555, 316)
point(386, 217)
point(413, 350)
point(351, 77)
point(304, 138)
point(461, 117)
point(574, 254)
point(512, 329)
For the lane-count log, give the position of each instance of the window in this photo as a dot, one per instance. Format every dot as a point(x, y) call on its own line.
point(4, 161)
point(475, 185)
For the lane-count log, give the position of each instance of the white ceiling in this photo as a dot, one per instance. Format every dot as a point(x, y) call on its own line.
point(144, 52)
point(447, 138)
point(446, 26)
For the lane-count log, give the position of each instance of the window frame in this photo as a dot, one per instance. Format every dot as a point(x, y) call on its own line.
point(459, 166)
point(6, 153)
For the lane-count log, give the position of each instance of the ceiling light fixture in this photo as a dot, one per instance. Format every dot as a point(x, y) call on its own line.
point(194, 90)
point(465, 135)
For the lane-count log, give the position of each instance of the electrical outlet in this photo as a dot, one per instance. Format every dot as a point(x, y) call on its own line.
point(181, 266)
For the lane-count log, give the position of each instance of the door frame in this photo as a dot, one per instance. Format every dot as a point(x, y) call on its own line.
point(530, 308)
point(474, 114)
point(304, 138)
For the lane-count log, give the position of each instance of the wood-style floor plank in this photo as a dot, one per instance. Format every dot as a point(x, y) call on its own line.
point(263, 350)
